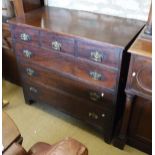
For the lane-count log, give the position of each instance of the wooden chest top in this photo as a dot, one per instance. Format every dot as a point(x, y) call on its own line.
point(104, 28)
point(142, 45)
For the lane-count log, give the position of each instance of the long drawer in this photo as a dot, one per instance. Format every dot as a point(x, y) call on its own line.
point(92, 114)
point(48, 77)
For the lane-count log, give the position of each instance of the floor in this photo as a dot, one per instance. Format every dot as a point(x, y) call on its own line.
point(39, 122)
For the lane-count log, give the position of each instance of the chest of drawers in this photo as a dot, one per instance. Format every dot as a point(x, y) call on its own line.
point(76, 61)
point(136, 127)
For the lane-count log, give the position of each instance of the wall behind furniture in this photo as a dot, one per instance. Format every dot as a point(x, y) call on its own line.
point(136, 9)
point(7, 8)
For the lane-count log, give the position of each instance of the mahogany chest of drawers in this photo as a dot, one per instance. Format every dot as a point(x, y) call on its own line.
point(76, 61)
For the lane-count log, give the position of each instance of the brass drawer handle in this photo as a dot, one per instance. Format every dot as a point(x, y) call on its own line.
point(25, 37)
point(96, 56)
point(27, 53)
point(94, 96)
point(93, 115)
point(95, 75)
point(30, 71)
point(103, 115)
point(56, 45)
point(34, 90)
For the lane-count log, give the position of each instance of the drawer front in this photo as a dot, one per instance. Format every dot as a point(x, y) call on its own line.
point(104, 54)
point(94, 115)
point(24, 34)
point(140, 75)
point(33, 53)
point(57, 43)
point(44, 57)
point(48, 77)
point(96, 74)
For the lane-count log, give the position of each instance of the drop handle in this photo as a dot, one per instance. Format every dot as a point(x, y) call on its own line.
point(103, 115)
point(30, 71)
point(32, 89)
point(56, 45)
point(94, 96)
point(95, 75)
point(93, 115)
point(27, 53)
point(25, 37)
point(96, 56)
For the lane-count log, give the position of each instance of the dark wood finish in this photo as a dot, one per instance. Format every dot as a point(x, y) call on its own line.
point(6, 37)
point(70, 103)
point(140, 76)
point(136, 128)
point(107, 79)
point(71, 85)
point(78, 24)
point(9, 67)
point(92, 114)
point(140, 126)
point(67, 43)
point(55, 66)
point(9, 64)
point(110, 55)
point(120, 141)
point(32, 33)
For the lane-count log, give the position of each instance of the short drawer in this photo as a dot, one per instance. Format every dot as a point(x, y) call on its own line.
point(46, 76)
point(140, 75)
point(57, 43)
point(45, 57)
point(25, 34)
point(105, 54)
point(92, 114)
point(33, 53)
point(96, 74)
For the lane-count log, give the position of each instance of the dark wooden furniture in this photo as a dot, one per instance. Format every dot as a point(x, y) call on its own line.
point(76, 61)
point(136, 127)
point(9, 65)
point(10, 132)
